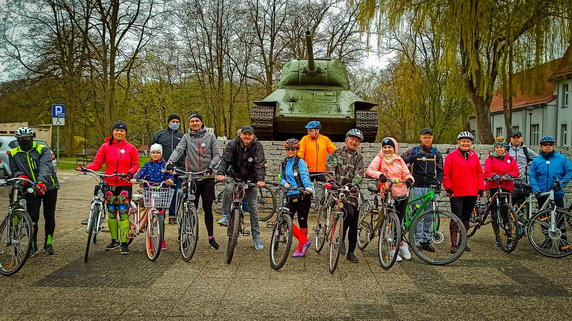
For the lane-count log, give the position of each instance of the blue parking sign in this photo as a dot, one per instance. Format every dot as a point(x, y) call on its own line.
point(58, 111)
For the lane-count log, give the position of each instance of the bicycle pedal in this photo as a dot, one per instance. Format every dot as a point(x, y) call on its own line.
point(83, 222)
point(245, 233)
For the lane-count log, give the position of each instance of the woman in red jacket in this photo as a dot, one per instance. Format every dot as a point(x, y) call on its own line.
point(118, 156)
point(463, 182)
point(500, 167)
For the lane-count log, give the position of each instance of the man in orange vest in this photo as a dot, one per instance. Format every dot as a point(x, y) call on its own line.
point(314, 150)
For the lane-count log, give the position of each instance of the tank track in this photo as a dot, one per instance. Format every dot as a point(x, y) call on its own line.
point(366, 121)
point(262, 120)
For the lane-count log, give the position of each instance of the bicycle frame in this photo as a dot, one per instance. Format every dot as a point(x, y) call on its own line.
point(409, 217)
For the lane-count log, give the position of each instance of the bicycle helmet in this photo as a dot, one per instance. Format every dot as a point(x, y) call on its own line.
point(465, 134)
point(24, 132)
point(292, 143)
point(355, 133)
point(314, 124)
point(547, 139)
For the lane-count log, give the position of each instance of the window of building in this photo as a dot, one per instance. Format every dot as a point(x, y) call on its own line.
point(515, 129)
point(498, 131)
point(563, 134)
point(564, 96)
point(534, 134)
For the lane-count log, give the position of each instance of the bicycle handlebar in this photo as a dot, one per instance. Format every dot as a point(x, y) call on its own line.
point(151, 184)
point(20, 179)
point(102, 175)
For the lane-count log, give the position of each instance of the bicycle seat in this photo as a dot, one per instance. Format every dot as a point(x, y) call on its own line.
point(136, 197)
point(372, 188)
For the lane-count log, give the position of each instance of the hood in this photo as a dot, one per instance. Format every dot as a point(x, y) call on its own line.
point(394, 142)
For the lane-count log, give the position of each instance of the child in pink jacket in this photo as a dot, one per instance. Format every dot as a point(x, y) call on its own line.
point(388, 165)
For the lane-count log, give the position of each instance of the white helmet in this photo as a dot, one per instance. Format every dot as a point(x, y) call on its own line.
point(24, 132)
point(465, 135)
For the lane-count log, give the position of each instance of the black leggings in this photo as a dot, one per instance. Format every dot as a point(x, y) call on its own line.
point(400, 207)
point(205, 190)
point(351, 223)
point(462, 206)
point(300, 205)
point(33, 204)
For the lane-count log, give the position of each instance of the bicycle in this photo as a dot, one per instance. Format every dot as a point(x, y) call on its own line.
point(16, 229)
point(97, 210)
point(548, 226)
point(267, 202)
point(188, 219)
point(506, 226)
point(441, 224)
point(385, 222)
point(236, 217)
point(156, 200)
point(317, 204)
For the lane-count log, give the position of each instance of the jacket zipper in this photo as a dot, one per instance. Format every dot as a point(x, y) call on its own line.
point(117, 164)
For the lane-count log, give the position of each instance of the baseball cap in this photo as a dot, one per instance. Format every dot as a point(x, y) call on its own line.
point(247, 128)
point(516, 133)
point(426, 131)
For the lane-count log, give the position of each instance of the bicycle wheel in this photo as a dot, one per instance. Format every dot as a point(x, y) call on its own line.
point(154, 235)
point(389, 239)
point(266, 203)
point(92, 227)
point(507, 228)
point(365, 227)
point(335, 238)
point(446, 232)
point(219, 193)
point(15, 242)
point(551, 242)
point(281, 242)
point(320, 229)
point(474, 222)
point(232, 230)
point(188, 232)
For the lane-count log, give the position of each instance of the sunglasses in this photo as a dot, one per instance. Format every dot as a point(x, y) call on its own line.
point(547, 144)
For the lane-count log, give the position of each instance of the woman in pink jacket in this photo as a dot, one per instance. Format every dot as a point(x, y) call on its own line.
point(463, 181)
point(387, 165)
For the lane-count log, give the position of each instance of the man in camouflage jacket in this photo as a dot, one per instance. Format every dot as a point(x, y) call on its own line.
point(345, 167)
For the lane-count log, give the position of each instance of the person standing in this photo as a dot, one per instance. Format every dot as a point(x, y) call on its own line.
point(33, 161)
point(426, 164)
point(169, 138)
point(202, 154)
point(523, 157)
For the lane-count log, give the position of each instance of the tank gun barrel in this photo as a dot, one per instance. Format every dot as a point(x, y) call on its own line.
point(311, 63)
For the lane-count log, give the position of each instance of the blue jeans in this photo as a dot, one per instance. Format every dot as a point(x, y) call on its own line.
point(173, 207)
point(423, 233)
point(252, 197)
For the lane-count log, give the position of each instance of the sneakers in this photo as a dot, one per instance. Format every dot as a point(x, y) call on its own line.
point(112, 246)
point(124, 249)
point(223, 221)
point(213, 243)
point(48, 249)
point(305, 247)
point(404, 251)
point(352, 257)
point(453, 249)
point(428, 247)
point(258, 244)
point(392, 253)
point(467, 248)
point(172, 220)
point(33, 250)
point(163, 245)
point(297, 252)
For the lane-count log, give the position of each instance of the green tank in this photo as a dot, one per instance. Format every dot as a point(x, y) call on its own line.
point(313, 89)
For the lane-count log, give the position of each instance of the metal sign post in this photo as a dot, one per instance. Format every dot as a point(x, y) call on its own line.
point(58, 119)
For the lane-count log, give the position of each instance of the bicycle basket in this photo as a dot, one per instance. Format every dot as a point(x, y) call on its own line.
point(157, 197)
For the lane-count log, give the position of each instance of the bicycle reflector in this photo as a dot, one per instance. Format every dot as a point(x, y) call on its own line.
point(328, 185)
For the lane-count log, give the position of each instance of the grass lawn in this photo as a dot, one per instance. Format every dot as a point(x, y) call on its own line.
point(69, 162)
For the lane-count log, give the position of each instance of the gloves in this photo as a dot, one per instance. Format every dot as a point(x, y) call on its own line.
point(507, 177)
point(129, 175)
point(170, 167)
point(537, 194)
point(41, 188)
point(408, 182)
point(496, 177)
point(80, 168)
point(449, 192)
point(287, 185)
point(382, 178)
point(25, 177)
point(334, 184)
point(309, 190)
point(209, 171)
point(481, 193)
point(556, 186)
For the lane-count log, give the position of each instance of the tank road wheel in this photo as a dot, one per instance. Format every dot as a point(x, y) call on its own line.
point(262, 119)
point(366, 121)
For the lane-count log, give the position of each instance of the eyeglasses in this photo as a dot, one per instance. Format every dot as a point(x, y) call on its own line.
point(547, 144)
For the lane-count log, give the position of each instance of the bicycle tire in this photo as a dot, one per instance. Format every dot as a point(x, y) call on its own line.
point(320, 229)
point(281, 234)
point(219, 194)
point(335, 237)
point(91, 230)
point(232, 231)
point(154, 235)
point(550, 244)
point(266, 203)
point(441, 225)
point(188, 232)
point(18, 255)
point(507, 232)
point(388, 240)
point(365, 228)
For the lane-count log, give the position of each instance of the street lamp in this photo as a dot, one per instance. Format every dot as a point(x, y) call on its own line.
point(530, 109)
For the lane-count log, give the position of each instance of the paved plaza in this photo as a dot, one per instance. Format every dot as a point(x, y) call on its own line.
point(483, 284)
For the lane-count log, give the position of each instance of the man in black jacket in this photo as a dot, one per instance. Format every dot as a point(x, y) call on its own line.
point(169, 138)
point(243, 159)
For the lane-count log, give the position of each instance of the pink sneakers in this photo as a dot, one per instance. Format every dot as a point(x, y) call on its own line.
point(163, 245)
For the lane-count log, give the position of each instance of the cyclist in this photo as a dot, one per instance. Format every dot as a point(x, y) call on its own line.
point(345, 166)
point(386, 165)
point(314, 150)
point(169, 138)
point(426, 163)
point(463, 181)
point(500, 166)
point(243, 159)
point(523, 157)
point(33, 161)
point(202, 154)
point(118, 156)
point(294, 173)
point(153, 172)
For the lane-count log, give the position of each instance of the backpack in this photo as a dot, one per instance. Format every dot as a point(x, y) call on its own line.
point(525, 150)
point(416, 151)
point(295, 169)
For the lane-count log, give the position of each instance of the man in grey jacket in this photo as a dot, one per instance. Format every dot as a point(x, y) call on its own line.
point(523, 156)
point(202, 154)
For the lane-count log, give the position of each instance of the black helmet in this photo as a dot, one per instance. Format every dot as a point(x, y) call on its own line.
point(355, 133)
point(292, 143)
